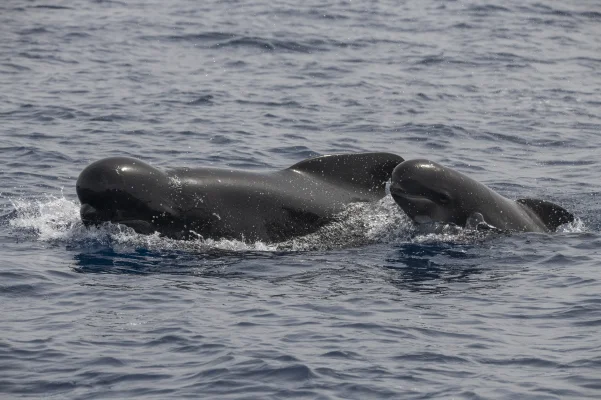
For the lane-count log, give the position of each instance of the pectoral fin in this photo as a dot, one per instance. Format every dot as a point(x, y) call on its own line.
point(476, 222)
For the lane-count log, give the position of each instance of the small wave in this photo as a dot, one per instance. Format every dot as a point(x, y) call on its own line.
point(13, 68)
point(544, 9)
point(298, 152)
point(109, 118)
point(486, 9)
point(202, 101)
point(436, 59)
point(291, 104)
point(43, 114)
point(596, 15)
point(219, 40)
point(51, 7)
point(34, 31)
point(47, 57)
point(196, 37)
point(438, 130)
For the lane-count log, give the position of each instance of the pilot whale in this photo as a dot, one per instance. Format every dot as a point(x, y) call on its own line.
point(430, 192)
point(188, 203)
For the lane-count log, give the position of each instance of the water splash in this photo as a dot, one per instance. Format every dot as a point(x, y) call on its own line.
point(576, 226)
point(359, 224)
point(56, 219)
point(49, 218)
point(449, 233)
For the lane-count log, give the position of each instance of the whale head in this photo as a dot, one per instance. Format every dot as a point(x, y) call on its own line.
point(429, 192)
point(126, 191)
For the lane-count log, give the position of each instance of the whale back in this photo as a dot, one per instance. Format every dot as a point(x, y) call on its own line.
point(367, 172)
point(550, 214)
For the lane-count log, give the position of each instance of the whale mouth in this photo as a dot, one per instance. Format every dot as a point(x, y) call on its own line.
point(423, 219)
point(402, 197)
point(417, 207)
point(91, 216)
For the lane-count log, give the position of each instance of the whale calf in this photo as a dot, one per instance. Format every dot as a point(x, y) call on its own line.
point(188, 203)
point(430, 192)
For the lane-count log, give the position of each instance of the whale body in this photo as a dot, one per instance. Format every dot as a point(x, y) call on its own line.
point(430, 192)
point(188, 203)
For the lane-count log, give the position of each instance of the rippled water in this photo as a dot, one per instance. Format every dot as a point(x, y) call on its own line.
point(370, 307)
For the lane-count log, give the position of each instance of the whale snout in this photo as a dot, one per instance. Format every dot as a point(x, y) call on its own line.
point(412, 205)
point(417, 186)
point(91, 216)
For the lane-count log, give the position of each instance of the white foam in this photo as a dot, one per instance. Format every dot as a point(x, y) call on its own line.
point(359, 224)
point(56, 218)
point(438, 232)
point(576, 226)
point(52, 218)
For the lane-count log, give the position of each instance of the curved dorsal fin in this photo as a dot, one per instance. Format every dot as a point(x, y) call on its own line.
point(368, 171)
point(551, 214)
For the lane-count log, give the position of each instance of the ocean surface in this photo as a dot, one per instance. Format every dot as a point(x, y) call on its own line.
point(507, 92)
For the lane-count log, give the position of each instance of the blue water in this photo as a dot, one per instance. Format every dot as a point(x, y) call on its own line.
point(368, 308)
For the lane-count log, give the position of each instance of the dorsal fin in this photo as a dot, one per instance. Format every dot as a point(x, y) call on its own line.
point(551, 214)
point(368, 171)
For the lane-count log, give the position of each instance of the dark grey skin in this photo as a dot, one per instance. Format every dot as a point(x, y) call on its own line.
point(216, 203)
point(427, 191)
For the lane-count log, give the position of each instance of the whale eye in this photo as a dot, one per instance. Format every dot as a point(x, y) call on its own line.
point(444, 198)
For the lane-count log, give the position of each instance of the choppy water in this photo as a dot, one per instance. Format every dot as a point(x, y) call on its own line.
point(507, 92)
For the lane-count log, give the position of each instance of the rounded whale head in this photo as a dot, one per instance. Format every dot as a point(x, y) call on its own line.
point(429, 192)
point(127, 191)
